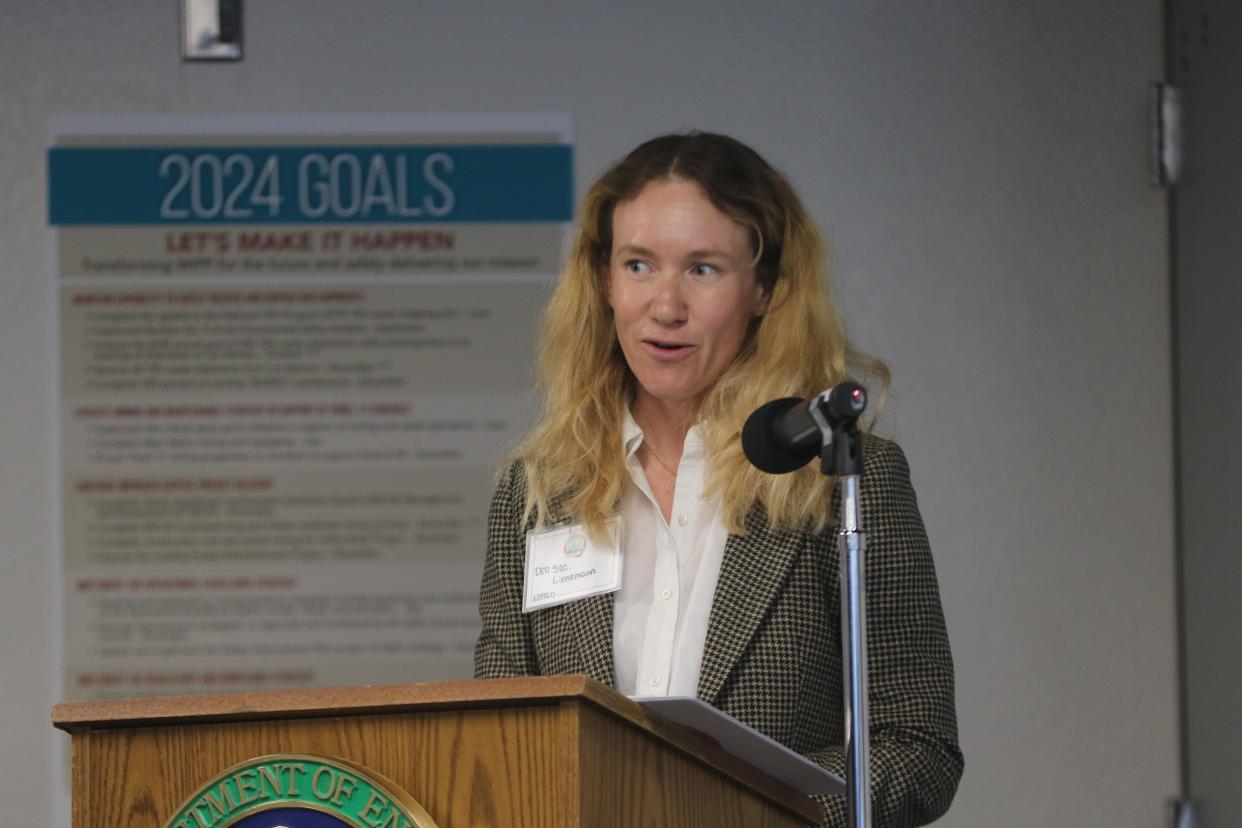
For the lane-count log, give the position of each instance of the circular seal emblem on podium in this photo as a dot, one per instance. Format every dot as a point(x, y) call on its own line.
point(300, 791)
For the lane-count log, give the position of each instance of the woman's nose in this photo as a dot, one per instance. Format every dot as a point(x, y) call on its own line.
point(668, 306)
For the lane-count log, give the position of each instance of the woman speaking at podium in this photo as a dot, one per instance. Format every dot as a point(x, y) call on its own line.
point(630, 539)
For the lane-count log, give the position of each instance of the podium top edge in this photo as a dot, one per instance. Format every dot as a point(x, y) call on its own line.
point(328, 701)
point(207, 708)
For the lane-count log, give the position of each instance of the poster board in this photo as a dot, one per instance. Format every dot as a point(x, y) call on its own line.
point(292, 351)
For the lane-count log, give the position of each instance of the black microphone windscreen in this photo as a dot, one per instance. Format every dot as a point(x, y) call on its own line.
point(764, 449)
point(846, 402)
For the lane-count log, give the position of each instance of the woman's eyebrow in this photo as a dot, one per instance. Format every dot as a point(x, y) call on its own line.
point(709, 253)
point(633, 250)
point(698, 253)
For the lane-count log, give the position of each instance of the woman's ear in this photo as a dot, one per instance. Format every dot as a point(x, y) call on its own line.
point(762, 298)
point(603, 274)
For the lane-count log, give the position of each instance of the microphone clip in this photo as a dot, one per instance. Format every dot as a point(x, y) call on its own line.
point(840, 451)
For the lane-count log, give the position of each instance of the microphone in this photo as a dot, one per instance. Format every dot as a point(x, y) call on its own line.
point(784, 435)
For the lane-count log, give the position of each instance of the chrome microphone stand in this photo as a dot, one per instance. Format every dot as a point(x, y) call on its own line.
point(841, 455)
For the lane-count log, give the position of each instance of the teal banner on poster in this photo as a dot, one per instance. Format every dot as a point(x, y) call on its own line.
point(309, 184)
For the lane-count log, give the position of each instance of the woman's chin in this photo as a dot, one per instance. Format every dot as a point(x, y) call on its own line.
point(669, 395)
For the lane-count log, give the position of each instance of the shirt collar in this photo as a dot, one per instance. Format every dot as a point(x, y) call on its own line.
point(632, 438)
point(631, 434)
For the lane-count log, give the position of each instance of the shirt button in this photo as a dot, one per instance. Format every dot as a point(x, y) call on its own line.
point(654, 681)
point(666, 594)
point(683, 520)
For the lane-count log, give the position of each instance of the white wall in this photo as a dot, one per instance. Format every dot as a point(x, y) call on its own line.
point(980, 168)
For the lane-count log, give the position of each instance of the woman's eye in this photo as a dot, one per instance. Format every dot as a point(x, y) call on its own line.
point(704, 270)
point(637, 266)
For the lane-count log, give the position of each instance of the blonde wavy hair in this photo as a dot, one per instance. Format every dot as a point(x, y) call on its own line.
point(574, 453)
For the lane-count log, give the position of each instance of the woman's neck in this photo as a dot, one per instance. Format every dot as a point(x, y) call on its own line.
point(664, 425)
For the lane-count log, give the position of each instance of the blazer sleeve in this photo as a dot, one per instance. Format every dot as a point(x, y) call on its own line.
point(915, 758)
point(505, 646)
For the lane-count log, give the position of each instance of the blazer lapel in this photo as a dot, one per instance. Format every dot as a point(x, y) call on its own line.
point(752, 571)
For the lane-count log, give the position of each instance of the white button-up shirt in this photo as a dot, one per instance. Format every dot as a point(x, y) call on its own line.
point(669, 576)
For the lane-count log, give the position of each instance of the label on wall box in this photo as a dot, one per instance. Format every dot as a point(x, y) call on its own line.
point(300, 791)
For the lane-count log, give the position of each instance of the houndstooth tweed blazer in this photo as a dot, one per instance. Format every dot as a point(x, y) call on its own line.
point(772, 658)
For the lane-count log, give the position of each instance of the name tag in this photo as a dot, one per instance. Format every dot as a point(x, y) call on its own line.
point(565, 564)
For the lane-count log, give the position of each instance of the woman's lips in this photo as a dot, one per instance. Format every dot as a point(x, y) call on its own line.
point(666, 350)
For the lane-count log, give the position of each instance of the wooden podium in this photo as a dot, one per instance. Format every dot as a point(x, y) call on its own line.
point(538, 752)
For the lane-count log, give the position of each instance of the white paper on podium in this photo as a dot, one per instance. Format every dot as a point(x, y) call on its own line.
point(746, 743)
